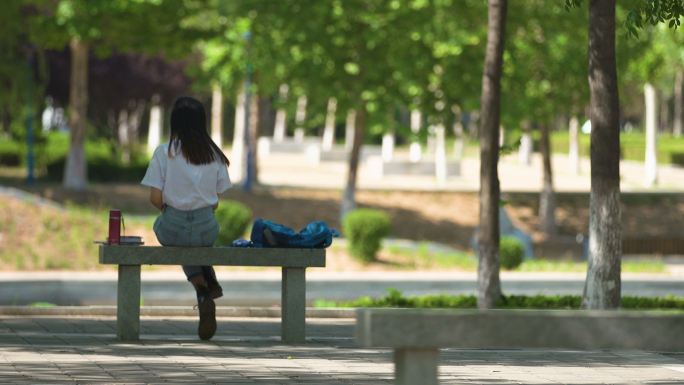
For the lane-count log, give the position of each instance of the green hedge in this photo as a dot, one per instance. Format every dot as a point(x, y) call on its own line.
point(101, 170)
point(364, 229)
point(511, 252)
point(395, 298)
point(233, 217)
point(50, 152)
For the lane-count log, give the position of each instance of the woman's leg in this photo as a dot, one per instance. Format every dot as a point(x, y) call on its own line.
point(209, 275)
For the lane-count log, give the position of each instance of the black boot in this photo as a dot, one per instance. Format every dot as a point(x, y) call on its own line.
point(207, 314)
point(215, 290)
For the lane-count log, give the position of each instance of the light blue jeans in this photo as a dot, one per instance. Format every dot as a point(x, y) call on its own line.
point(195, 228)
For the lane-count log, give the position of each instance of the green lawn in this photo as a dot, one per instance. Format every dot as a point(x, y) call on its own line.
point(633, 145)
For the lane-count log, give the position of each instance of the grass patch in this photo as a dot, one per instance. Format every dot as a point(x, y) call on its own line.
point(544, 265)
point(643, 267)
point(42, 304)
point(423, 257)
point(396, 299)
point(43, 238)
point(632, 144)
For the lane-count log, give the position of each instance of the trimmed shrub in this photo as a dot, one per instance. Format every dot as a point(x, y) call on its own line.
point(511, 253)
point(364, 229)
point(395, 298)
point(234, 218)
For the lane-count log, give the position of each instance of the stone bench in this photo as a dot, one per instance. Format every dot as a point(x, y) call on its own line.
point(426, 166)
point(315, 154)
point(417, 335)
point(267, 146)
point(293, 261)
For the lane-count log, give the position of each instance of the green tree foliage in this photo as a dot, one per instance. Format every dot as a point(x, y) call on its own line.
point(102, 26)
point(22, 69)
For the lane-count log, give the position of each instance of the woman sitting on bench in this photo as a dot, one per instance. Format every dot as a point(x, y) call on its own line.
point(186, 175)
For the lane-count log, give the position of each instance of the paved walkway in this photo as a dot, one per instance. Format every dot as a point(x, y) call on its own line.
point(262, 288)
point(293, 170)
point(82, 350)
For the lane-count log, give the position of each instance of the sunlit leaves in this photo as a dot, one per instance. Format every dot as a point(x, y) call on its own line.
point(351, 68)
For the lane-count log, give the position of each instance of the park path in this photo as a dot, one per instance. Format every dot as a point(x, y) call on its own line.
point(262, 288)
point(83, 350)
point(283, 169)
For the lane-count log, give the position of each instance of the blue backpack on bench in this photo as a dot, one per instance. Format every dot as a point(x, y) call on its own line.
point(265, 233)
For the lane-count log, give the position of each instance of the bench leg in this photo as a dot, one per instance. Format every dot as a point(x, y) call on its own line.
point(128, 303)
point(293, 324)
point(416, 366)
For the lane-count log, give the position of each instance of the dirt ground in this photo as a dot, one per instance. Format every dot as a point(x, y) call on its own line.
point(445, 217)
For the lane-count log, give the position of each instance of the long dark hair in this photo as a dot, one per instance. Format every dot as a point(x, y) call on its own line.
point(189, 132)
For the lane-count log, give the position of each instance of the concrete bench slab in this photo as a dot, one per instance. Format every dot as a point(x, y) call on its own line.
point(417, 335)
point(379, 168)
point(266, 145)
point(315, 154)
point(293, 262)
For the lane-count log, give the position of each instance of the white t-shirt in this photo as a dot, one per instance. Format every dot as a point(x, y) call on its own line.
point(185, 186)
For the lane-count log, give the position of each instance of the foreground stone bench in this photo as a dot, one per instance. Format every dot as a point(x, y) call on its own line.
point(417, 335)
point(293, 261)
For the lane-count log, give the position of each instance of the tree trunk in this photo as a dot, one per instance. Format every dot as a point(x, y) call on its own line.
point(134, 119)
point(664, 117)
point(547, 201)
point(113, 133)
point(678, 104)
point(440, 154)
point(574, 145)
point(237, 153)
point(155, 132)
point(329, 131)
point(602, 288)
point(651, 158)
point(124, 139)
point(526, 144)
point(217, 115)
point(349, 199)
point(458, 132)
point(253, 132)
point(75, 172)
point(349, 129)
point(489, 285)
point(280, 130)
point(300, 118)
point(473, 133)
point(415, 151)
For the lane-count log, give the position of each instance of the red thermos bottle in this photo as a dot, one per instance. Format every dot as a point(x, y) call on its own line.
point(114, 227)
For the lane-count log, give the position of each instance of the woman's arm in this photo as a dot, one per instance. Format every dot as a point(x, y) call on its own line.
point(156, 198)
point(216, 205)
